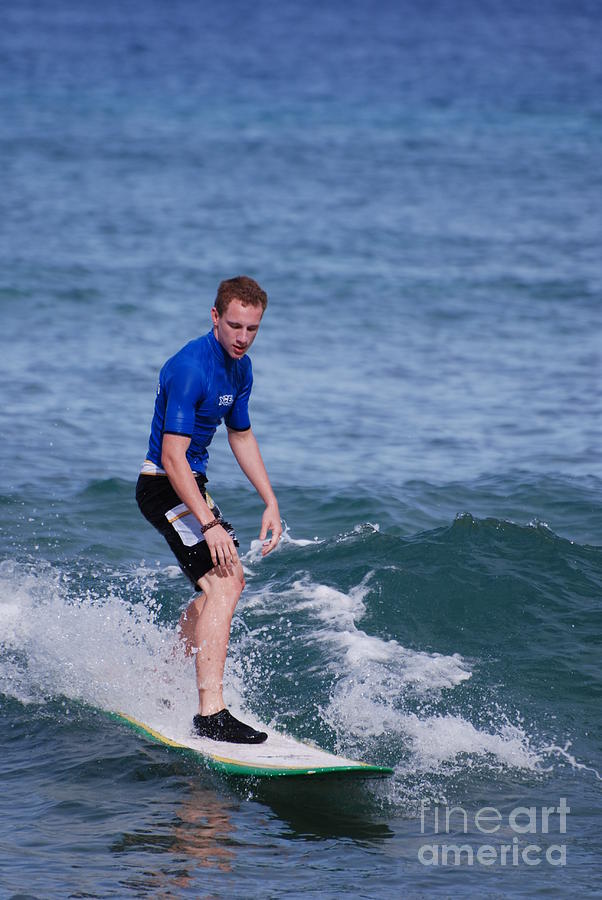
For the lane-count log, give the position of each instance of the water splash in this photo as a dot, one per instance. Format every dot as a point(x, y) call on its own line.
point(60, 639)
point(88, 645)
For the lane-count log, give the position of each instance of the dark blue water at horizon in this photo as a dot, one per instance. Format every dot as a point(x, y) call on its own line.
point(418, 189)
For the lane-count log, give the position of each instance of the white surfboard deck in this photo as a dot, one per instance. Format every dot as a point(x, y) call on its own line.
point(279, 756)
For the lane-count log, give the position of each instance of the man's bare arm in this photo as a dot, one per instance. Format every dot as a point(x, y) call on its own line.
point(173, 459)
point(246, 450)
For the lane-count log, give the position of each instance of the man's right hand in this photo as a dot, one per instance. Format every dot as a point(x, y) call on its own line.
point(221, 546)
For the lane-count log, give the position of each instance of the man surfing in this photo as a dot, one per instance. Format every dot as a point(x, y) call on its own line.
point(208, 380)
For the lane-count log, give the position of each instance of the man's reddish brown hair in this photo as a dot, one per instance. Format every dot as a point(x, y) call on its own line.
point(240, 288)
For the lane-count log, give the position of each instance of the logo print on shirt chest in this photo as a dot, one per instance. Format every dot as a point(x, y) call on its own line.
point(226, 400)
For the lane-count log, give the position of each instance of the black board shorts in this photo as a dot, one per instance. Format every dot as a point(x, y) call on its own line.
point(162, 507)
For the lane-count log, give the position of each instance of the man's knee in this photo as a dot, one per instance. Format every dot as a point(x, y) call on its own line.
point(236, 580)
point(227, 584)
point(238, 584)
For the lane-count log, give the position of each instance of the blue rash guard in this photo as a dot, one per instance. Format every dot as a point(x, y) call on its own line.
point(198, 387)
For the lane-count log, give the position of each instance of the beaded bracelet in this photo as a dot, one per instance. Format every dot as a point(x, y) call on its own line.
point(216, 521)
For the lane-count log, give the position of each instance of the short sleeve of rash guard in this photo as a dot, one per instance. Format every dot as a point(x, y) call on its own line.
point(237, 417)
point(183, 394)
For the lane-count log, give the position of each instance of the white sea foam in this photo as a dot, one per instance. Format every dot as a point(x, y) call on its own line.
point(253, 554)
point(564, 753)
point(366, 658)
point(377, 676)
point(365, 708)
point(444, 739)
point(60, 640)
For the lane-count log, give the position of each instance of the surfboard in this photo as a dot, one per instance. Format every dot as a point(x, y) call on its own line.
point(280, 756)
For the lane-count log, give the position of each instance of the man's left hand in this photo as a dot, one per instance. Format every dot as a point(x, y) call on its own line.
point(270, 521)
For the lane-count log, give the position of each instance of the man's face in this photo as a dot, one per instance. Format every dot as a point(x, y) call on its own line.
point(236, 329)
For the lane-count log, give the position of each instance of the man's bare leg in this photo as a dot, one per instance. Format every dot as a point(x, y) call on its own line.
point(205, 630)
point(210, 624)
point(188, 624)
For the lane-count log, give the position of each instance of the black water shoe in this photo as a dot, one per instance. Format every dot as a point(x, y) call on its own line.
point(222, 726)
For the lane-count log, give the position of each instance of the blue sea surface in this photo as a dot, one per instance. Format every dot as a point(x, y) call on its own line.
point(417, 187)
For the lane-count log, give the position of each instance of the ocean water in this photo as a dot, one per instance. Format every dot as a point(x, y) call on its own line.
point(417, 187)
